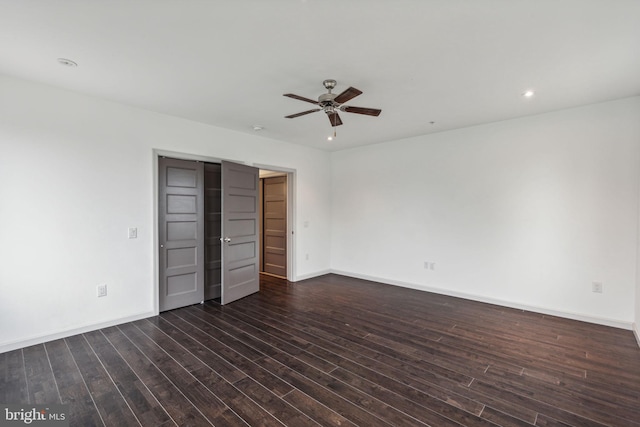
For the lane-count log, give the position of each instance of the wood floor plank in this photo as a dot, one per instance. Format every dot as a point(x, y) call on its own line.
point(570, 418)
point(315, 410)
point(179, 408)
point(502, 419)
point(592, 408)
point(73, 389)
point(544, 421)
point(111, 405)
point(41, 384)
point(144, 405)
point(238, 346)
point(13, 378)
point(420, 406)
point(208, 404)
point(356, 342)
point(277, 406)
point(265, 343)
point(336, 402)
point(200, 346)
point(224, 345)
point(246, 408)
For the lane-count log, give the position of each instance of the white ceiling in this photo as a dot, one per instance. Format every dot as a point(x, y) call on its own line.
point(227, 62)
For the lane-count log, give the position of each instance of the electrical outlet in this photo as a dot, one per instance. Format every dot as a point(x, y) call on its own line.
point(133, 233)
point(102, 291)
point(596, 287)
point(429, 265)
point(306, 257)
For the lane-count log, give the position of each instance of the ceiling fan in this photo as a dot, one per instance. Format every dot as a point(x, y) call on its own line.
point(331, 103)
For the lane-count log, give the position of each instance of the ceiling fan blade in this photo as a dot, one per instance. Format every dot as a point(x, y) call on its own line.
point(348, 94)
point(293, 116)
point(300, 98)
point(360, 110)
point(334, 118)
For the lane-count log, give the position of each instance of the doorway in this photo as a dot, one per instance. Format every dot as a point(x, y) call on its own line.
point(273, 223)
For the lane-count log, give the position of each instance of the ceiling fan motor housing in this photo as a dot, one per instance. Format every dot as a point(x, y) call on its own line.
point(326, 100)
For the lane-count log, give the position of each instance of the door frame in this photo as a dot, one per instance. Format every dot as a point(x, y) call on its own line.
point(291, 184)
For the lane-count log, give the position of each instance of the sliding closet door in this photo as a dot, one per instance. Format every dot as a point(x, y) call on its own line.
point(181, 232)
point(240, 247)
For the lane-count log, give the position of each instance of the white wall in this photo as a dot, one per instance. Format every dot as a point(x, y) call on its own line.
point(636, 324)
point(527, 212)
point(75, 173)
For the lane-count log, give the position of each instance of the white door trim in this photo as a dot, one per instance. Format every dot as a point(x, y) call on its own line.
point(291, 215)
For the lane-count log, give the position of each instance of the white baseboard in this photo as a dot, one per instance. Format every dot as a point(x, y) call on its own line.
point(312, 275)
point(568, 315)
point(4, 347)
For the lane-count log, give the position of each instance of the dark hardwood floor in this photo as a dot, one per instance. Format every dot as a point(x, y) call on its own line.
point(336, 351)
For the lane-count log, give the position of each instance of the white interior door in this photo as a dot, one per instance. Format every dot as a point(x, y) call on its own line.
point(240, 239)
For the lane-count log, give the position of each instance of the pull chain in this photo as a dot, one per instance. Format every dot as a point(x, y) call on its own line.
point(334, 124)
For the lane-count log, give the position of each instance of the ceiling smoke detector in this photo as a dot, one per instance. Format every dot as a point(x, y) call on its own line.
point(67, 62)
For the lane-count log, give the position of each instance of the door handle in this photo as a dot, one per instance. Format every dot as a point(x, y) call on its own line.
point(226, 239)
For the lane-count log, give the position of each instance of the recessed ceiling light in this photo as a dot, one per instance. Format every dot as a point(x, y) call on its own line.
point(67, 62)
point(528, 94)
point(330, 138)
point(257, 128)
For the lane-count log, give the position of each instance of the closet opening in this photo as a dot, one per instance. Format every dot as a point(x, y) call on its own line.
point(220, 225)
